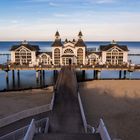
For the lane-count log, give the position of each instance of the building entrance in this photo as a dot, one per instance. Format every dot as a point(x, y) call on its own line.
point(68, 60)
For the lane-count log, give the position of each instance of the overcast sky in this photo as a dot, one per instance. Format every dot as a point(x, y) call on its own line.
point(98, 19)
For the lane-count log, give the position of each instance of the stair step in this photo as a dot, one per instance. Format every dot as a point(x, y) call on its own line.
point(59, 136)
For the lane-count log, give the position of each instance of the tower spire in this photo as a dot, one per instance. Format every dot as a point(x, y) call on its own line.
point(57, 35)
point(80, 35)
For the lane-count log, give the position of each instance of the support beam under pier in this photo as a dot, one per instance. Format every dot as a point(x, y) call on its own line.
point(18, 78)
point(98, 73)
point(37, 74)
point(94, 75)
point(7, 79)
point(120, 74)
point(124, 74)
point(83, 74)
point(13, 78)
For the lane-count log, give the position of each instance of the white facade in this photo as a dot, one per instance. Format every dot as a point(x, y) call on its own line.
point(44, 59)
point(23, 55)
point(115, 55)
point(93, 58)
point(69, 52)
point(73, 52)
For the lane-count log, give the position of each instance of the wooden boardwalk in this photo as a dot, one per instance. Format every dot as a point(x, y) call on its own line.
point(66, 120)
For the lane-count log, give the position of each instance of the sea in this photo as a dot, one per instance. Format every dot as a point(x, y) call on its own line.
point(28, 78)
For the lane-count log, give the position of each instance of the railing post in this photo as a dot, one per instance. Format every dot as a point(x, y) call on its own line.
point(31, 131)
point(103, 131)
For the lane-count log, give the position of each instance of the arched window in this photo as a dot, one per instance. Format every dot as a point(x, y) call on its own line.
point(80, 56)
point(57, 56)
point(23, 56)
point(69, 51)
point(114, 57)
point(115, 52)
point(45, 59)
point(93, 59)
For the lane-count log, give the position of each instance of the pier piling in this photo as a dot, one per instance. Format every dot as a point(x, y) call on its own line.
point(130, 75)
point(83, 74)
point(124, 74)
point(120, 74)
point(6, 75)
point(43, 77)
point(13, 78)
point(98, 74)
point(18, 77)
point(37, 75)
point(7, 79)
point(94, 74)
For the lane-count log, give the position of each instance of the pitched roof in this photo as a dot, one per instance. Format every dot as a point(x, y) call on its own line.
point(57, 34)
point(80, 43)
point(57, 43)
point(109, 46)
point(80, 34)
point(28, 46)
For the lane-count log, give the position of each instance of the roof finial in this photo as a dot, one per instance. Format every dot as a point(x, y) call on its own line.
point(74, 40)
point(57, 35)
point(66, 40)
point(113, 42)
point(80, 34)
point(24, 42)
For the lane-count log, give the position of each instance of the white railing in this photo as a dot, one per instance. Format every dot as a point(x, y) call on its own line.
point(31, 131)
point(40, 127)
point(46, 126)
point(103, 131)
point(16, 135)
point(90, 129)
point(52, 101)
point(27, 113)
point(82, 113)
point(24, 114)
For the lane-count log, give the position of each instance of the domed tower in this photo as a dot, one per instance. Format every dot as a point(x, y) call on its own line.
point(80, 35)
point(81, 49)
point(57, 35)
point(57, 49)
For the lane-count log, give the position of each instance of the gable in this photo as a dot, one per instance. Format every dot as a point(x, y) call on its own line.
point(93, 55)
point(68, 50)
point(110, 46)
point(44, 54)
point(115, 48)
point(22, 47)
point(69, 44)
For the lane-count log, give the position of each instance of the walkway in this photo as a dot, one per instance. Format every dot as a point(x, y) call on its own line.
point(65, 119)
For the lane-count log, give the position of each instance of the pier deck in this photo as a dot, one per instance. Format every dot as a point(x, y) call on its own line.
point(82, 67)
point(65, 119)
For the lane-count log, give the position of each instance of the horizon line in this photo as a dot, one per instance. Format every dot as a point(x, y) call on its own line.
point(70, 40)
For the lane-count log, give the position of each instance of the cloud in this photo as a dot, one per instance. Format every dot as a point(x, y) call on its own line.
point(59, 15)
point(53, 4)
point(37, 0)
point(103, 1)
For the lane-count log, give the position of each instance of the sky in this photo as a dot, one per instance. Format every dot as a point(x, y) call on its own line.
point(99, 20)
